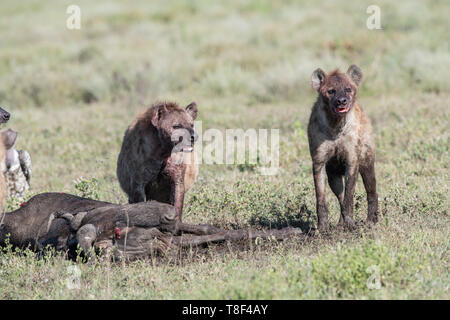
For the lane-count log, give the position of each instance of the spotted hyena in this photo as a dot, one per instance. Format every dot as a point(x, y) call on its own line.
point(341, 144)
point(157, 161)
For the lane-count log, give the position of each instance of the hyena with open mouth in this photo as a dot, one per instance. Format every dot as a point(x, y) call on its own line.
point(341, 144)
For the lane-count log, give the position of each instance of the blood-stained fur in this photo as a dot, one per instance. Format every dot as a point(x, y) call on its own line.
point(341, 144)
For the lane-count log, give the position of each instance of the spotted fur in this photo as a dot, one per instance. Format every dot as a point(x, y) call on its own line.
point(341, 144)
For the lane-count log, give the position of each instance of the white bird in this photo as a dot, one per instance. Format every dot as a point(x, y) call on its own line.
point(18, 166)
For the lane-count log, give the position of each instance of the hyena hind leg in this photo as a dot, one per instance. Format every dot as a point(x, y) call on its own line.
point(370, 184)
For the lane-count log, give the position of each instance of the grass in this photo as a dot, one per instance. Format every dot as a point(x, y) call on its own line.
point(247, 65)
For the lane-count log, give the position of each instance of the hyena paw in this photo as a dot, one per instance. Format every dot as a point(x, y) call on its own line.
point(349, 224)
point(323, 226)
point(372, 219)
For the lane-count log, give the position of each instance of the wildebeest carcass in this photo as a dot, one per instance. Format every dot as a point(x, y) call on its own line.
point(67, 222)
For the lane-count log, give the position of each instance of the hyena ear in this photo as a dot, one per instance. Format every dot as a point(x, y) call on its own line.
point(355, 73)
point(192, 110)
point(158, 112)
point(317, 78)
point(9, 138)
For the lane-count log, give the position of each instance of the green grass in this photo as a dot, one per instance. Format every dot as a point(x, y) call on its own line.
point(247, 65)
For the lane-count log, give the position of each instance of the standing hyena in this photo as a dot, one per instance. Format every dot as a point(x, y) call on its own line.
point(157, 161)
point(341, 144)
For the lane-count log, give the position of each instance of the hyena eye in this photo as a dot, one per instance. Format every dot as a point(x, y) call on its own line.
point(331, 91)
point(348, 89)
point(177, 126)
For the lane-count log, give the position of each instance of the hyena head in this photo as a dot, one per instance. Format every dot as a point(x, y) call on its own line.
point(337, 90)
point(175, 125)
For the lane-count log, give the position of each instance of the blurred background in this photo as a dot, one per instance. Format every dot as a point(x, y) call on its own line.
point(247, 64)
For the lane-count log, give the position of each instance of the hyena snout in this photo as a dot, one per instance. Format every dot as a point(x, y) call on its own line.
point(184, 139)
point(341, 104)
point(4, 116)
point(342, 101)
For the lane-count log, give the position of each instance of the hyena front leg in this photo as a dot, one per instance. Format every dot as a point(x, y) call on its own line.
point(321, 204)
point(177, 197)
point(351, 175)
point(370, 184)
